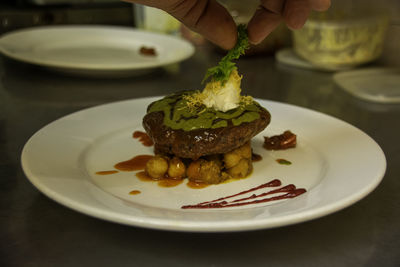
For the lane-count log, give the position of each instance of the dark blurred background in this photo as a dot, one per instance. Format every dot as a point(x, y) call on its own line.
point(16, 14)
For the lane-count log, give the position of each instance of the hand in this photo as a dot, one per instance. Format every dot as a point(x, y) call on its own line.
point(214, 22)
point(206, 17)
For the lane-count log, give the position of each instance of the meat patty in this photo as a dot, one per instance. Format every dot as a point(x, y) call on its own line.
point(201, 142)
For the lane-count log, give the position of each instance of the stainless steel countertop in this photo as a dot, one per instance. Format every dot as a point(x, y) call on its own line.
point(36, 231)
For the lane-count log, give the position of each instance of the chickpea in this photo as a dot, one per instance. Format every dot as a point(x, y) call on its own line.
point(216, 158)
point(245, 150)
point(193, 171)
point(156, 167)
point(176, 168)
point(231, 159)
point(204, 171)
point(225, 176)
point(210, 172)
point(242, 169)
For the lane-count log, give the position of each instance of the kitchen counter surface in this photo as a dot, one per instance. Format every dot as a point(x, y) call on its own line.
point(36, 231)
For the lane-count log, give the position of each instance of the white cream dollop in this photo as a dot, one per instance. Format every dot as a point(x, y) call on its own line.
point(223, 97)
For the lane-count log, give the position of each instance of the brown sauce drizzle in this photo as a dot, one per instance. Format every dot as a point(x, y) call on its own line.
point(106, 172)
point(147, 51)
point(144, 177)
point(134, 164)
point(143, 137)
point(169, 182)
point(255, 157)
point(290, 192)
point(163, 182)
point(134, 192)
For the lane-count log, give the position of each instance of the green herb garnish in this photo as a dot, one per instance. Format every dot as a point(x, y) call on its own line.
point(226, 66)
point(283, 162)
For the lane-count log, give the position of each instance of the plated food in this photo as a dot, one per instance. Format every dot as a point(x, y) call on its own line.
point(104, 134)
point(215, 145)
point(206, 135)
point(84, 177)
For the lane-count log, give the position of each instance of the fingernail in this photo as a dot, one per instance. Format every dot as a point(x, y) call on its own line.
point(254, 41)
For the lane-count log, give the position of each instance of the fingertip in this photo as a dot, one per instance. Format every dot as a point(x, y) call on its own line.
point(226, 40)
point(320, 5)
point(225, 45)
point(217, 25)
point(230, 37)
point(254, 36)
point(261, 25)
point(295, 23)
point(296, 14)
point(254, 41)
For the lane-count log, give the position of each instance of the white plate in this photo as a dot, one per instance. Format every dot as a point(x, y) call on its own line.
point(95, 48)
point(337, 164)
point(380, 85)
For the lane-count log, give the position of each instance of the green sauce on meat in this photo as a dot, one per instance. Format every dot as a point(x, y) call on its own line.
point(178, 114)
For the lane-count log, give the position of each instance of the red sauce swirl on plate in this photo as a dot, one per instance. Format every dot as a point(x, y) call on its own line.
point(285, 192)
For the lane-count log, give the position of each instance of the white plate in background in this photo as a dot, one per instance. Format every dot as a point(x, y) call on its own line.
point(93, 48)
point(335, 162)
point(380, 85)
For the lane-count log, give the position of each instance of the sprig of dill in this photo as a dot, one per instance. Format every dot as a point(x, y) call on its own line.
point(224, 68)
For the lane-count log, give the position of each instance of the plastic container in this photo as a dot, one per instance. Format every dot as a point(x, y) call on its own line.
point(339, 40)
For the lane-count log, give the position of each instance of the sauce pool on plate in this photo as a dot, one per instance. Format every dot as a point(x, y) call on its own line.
point(163, 181)
point(143, 137)
point(106, 172)
point(134, 164)
point(134, 192)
